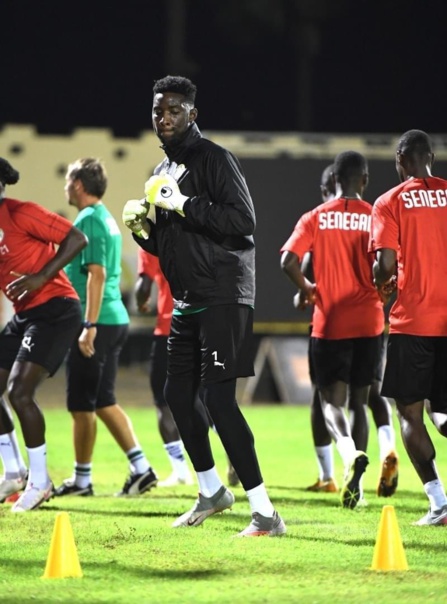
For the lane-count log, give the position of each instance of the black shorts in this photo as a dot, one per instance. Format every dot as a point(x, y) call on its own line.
point(213, 345)
point(41, 335)
point(416, 369)
point(353, 360)
point(91, 381)
point(158, 368)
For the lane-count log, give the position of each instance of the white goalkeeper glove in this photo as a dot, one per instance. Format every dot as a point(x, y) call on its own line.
point(134, 216)
point(164, 192)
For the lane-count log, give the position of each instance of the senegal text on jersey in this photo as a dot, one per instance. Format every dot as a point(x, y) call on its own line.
point(424, 198)
point(347, 221)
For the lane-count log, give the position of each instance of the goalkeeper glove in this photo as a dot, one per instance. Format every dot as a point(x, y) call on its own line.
point(164, 192)
point(134, 216)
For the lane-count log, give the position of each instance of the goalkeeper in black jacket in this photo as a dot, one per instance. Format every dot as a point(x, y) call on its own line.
point(198, 218)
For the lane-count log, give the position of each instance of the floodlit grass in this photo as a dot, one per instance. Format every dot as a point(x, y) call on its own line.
point(129, 553)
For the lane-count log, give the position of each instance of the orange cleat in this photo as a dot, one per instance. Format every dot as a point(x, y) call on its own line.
point(389, 475)
point(324, 486)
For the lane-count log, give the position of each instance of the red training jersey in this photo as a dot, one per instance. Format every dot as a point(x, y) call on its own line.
point(347, 303)
point(149, 265)
point(412, 220)
point(28, 233)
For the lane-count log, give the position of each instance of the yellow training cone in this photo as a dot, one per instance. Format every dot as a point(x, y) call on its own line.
point(389, 552)
point(63, 558)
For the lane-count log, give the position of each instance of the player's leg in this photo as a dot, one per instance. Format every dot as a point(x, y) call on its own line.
point(50, 330)
point(142, 476)
point(438, 417)
point(182, 382)
point(226, 342)
point(412, 374)
point(332, 361)
point(357, 405)
point(421, 452)
point(232, 477)
point(82, 378)
point(167, 427)
point(437, 407)
point(15, 473)
point(382, 416)
point(389, 460)
point(322, 440)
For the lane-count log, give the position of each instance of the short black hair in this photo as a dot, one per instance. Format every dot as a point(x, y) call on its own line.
point(415, 142)
point(326, 179)
point(8, 175)
point(177, 84)
point(92, 173)
point(349, 165)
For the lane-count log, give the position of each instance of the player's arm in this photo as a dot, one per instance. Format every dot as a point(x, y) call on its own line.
point(290, 264)
point(307, 267)
point(96, 280)
point(384, 272)
point(69, 247)
point(143, 292)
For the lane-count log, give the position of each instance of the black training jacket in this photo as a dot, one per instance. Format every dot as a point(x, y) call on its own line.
point(208, 257)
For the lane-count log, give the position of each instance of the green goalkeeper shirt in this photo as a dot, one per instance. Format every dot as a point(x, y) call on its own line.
point(104, 248)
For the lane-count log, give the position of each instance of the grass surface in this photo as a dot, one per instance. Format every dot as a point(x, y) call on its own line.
point(129, 552)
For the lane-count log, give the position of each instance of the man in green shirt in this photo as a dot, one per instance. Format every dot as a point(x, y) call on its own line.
point(92, 364)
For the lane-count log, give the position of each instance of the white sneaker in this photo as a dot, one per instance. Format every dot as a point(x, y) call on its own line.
point(11, 486)
point(174, 480)
point(206, 506)
point(32, 497)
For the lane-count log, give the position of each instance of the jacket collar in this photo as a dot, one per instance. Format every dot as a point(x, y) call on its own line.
point(189, 138)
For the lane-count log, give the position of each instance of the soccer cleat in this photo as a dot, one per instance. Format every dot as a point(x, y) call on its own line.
point(11, 486)
point(351, 493)
point(206, 506)
point(69, 487)
point(261, 526)
point(434, 518)
point(389, 476)
point(137, 484)
point(32, 497)
point(174, 480)
point(232, 477)
point(324, 486)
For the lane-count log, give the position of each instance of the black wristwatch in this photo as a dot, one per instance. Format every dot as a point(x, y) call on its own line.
point(88, 324)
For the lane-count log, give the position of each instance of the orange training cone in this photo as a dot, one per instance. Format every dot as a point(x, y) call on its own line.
point(63, 558)
point(389, 551)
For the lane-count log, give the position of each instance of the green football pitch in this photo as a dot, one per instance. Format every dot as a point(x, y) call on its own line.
point(129, 553)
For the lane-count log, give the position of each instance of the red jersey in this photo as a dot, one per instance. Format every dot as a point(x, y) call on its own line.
point(28, 233)
point(150, 266)
point(347, 303)
point(412, 220)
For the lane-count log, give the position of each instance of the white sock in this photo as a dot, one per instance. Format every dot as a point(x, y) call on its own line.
point(346, 447)
point(38, 473)
point(260, 501)
point(138, 462)
point(436, 494)
point(177, 459)
point(209, 482)
point(20, 460)
point(387, 440)
point(7, 452)
point(325, 461)
point(82, 474)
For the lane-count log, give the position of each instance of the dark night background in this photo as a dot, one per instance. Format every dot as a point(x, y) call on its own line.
point(269, 65)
